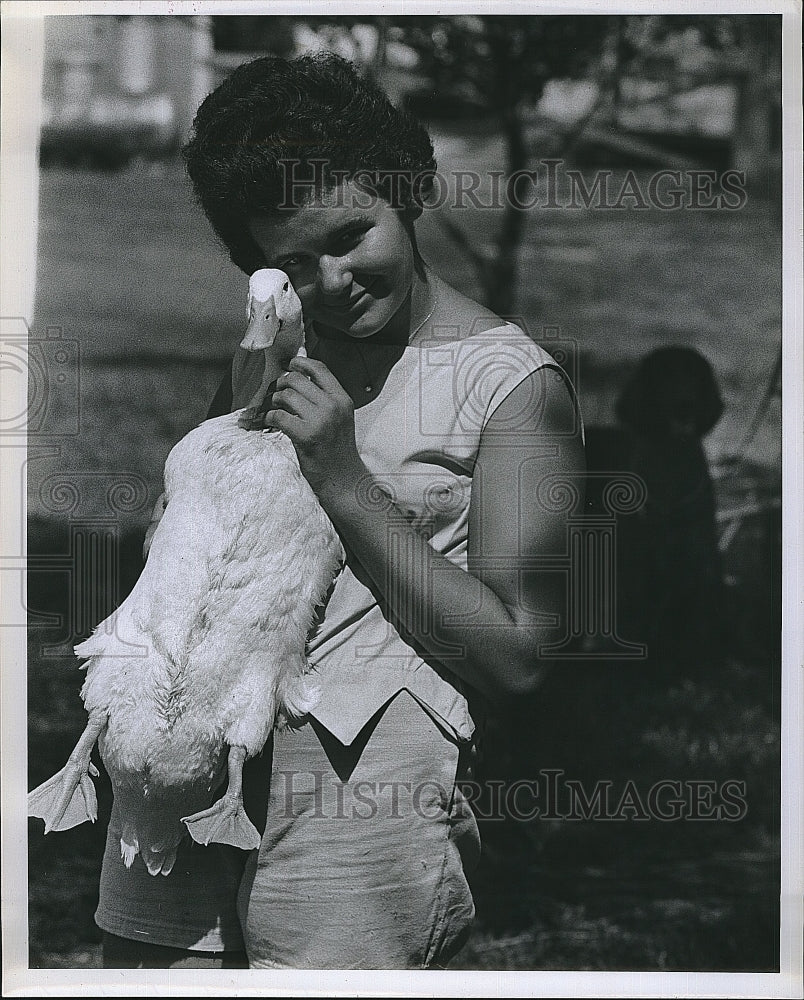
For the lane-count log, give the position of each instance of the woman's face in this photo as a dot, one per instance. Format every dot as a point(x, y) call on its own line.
point(349, 258)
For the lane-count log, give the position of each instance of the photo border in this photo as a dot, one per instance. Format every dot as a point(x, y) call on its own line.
point(21, 81)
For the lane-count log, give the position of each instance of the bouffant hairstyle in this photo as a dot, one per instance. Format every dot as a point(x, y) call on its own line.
point(671, 382)
point(278, 131)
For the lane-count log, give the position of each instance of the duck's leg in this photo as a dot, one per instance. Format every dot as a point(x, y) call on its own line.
point(69, 798)
point(226, 821)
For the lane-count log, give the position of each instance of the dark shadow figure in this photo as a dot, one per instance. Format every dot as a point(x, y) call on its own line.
point(670, 589)
point(587, 716)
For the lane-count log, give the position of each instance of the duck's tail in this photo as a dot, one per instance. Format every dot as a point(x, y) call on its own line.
point(159, 859)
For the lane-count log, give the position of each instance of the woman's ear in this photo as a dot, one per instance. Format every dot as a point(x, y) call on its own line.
point(408, 216)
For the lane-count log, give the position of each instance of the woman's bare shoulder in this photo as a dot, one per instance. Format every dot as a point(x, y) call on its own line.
point(457, 312)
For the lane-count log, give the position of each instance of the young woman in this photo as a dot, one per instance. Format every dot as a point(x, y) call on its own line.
point(431, 432)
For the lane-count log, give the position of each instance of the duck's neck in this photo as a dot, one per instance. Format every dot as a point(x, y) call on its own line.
point(275, 365)
point(288, 343)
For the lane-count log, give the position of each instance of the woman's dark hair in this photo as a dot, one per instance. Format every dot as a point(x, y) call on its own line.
point(277, 131)
point(671, 382)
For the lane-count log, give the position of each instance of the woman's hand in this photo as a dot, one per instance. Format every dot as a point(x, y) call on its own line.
point(317, 414)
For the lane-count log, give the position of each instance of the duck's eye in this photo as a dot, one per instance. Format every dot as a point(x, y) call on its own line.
point(285, 286)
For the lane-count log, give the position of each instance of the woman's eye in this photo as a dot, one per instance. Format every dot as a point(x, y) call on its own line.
point(348, 240)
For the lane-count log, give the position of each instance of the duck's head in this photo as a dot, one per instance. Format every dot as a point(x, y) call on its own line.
point(275, 327)
point(274, 314)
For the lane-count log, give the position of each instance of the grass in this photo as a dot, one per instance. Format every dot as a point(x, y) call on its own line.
point(129, 271)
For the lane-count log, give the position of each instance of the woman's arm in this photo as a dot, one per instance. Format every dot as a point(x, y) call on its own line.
point(492, 618)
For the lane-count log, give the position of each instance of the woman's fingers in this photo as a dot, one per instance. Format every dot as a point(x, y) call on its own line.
point(291, 400)
point(318, 373)
point(300, 383)
point(281, 420)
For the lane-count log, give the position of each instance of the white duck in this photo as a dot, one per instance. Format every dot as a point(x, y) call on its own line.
point(187, 678)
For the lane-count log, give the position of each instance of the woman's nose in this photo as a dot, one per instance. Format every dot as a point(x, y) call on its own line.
point(333, 278)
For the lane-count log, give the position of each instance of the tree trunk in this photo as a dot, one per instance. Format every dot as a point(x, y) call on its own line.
point(501, 278)
point(751, 141)
point(377, 64)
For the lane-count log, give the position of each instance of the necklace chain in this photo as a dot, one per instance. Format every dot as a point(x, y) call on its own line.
point(368, 387)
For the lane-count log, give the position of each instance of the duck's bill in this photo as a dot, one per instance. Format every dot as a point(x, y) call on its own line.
point(262, 328)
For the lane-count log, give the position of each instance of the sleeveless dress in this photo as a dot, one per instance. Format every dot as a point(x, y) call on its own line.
point(368, 840)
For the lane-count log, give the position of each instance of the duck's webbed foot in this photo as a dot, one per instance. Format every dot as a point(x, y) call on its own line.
point(226, 821)
point(68, 798)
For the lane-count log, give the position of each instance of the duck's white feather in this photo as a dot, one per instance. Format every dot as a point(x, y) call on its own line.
point(208, 650)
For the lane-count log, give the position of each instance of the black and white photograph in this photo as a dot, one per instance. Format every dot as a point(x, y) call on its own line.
point(402, 474)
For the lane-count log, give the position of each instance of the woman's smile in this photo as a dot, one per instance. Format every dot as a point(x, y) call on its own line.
point(346, 305)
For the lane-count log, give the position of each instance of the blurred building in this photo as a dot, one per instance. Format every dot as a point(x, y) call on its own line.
point(119, 86)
